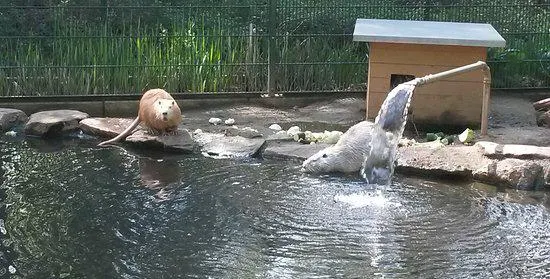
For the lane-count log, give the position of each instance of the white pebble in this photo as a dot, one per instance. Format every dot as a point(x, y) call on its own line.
point(275, 127)
point(292, 131)
point(11, 133)
point(214, 121)
point(230, 121)
point(11, 269)
point(197, 131)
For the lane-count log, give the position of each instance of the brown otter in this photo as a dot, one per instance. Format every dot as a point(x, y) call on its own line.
point(158, 111)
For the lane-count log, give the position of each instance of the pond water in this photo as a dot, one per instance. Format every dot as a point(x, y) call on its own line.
point(71, 210)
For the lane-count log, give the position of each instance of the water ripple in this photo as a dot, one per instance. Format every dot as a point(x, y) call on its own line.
point(103, 213)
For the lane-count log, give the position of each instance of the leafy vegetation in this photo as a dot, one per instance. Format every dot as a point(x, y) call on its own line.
point(89, 47)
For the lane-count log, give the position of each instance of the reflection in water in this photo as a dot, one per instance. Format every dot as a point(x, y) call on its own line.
point(84, 212)
point(160, 175)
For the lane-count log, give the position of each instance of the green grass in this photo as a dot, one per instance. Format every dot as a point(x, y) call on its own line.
point(83, 60)
point(184, 57)
point(129, 50)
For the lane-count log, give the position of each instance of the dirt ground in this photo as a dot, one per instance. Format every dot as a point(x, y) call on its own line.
point(512, 118)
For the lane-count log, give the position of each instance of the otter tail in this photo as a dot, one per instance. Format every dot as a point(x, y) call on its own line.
point(124, 134)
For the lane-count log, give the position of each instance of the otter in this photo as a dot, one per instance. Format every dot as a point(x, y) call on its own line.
point(158, 111)
point(346, 156)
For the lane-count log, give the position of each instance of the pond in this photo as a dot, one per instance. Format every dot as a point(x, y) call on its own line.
point(72, 210)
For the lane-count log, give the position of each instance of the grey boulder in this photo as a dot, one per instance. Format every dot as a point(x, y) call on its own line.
point(53, 122)
point(10, 118)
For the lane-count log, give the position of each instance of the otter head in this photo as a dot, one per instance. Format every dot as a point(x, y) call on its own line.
point(164, 109)
point(320, 162)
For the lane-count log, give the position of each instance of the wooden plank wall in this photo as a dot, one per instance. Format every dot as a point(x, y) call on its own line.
point(455, 100)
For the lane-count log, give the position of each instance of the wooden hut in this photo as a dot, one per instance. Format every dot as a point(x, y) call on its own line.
point(401, 50)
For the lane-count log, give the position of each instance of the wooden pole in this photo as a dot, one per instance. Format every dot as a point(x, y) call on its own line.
point(486, 99)
point(464, 69)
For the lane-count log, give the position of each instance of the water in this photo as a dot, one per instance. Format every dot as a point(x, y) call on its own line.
point(388, 128)
point(72, 210)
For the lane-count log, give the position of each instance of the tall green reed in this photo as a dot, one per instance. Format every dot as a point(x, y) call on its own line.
point(81, 59)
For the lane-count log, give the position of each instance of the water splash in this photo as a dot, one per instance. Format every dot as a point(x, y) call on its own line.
point(366, 198)
point(390, 123)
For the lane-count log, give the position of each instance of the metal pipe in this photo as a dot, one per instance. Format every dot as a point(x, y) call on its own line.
point(464, 69)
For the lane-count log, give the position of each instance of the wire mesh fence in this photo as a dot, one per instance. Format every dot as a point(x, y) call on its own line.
point(81, 47)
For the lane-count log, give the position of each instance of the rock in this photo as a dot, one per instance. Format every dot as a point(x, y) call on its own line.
point(53, 122)
point(275, 127)
point(279, 136)
point(202, 138)
point(180, 141)
point(543, 104)
point(436, 159)
point(546, 173)
point(105, 127)
point(245, 132)
point(111, 127)
point(11, 133)
point(10, 118)
point(515, 173)
point(214, 121)
point(227, 147)
point(292, 131)
point(520, 151)
point(291, 150)
point(543, 119)
point(229, 121)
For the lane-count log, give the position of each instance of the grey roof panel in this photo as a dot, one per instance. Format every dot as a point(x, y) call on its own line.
point(427, 32)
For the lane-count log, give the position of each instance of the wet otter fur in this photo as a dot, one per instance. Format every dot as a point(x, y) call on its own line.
point(158, 111)
point(346, 156)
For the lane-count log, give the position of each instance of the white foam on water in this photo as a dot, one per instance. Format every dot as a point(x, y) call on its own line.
point(365, 199)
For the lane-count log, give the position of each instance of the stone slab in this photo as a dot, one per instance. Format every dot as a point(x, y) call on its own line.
point(515, 173)
point(53, 122)
point(104, 127)
point(181, 140)
point(521, 151)
point(111, 127)
point(232, 146)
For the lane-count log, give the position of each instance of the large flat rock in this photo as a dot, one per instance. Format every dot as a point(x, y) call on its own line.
point(10, 118)
point(436, 159)
point(515, 173)
point(104, 127)
point(181, 140)
point(521, 151)
point(471, 162)
point(222, 146)
point(111, 127)
point(53, 122)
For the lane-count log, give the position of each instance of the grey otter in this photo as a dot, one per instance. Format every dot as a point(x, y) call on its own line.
point(346, 156)
point(158, 111)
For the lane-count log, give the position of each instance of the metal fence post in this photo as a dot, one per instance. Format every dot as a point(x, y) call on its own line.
point(271, 46)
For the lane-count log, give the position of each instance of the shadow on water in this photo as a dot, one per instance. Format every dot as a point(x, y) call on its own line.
point(160, 175)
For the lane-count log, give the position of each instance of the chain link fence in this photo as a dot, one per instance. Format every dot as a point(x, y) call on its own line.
point(95, 47)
